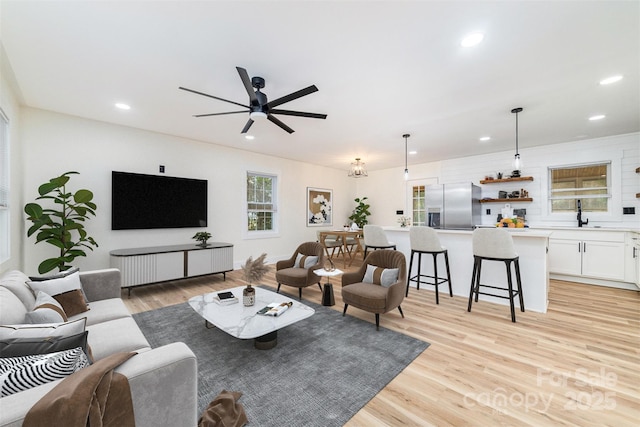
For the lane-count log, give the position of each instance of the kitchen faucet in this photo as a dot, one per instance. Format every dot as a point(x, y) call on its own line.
point(580, 221)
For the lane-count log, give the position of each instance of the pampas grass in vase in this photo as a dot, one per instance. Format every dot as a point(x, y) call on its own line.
point(253, 272)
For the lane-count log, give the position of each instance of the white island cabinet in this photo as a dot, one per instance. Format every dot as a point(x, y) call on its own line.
point(531, 246)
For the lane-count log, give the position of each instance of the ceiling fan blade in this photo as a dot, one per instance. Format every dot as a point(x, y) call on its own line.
point(247, 126)
point(219, 114)
point(299, 114)
point(244, 76)
point(292, 96)
point(279, 123)
point(214, 97)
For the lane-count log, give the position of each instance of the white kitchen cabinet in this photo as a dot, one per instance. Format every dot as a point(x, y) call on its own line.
point(597, 255)
point(632, 258)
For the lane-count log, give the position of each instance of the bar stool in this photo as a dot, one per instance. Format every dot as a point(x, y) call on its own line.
point(495, 244)
point(424, 240)
point(375, 238)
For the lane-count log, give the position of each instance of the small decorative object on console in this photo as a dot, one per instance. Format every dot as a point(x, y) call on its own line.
point(253, 272)
point(404, 221)
point(202, 237)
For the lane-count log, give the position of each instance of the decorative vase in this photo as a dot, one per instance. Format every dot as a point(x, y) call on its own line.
point(329, 265)
point(248, 296)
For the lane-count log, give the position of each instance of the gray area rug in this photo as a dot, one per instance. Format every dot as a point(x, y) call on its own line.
point(323, 370)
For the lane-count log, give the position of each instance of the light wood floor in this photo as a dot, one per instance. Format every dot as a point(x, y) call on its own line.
point(578, 364)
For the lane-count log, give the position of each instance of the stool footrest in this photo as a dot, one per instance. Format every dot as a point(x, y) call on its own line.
point(513, 292)
point(439, 281)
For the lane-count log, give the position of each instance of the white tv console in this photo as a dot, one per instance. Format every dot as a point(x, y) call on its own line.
point(141, 266)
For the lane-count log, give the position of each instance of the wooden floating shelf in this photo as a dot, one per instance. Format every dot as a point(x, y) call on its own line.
point(518, 199)
point(495, 181)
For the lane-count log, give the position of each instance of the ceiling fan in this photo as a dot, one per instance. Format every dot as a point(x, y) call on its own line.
point(258, 106)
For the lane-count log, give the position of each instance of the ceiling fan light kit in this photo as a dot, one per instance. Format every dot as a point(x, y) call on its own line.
point(259, 107)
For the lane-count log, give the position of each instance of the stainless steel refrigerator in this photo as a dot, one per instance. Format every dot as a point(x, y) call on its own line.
point(453, 206)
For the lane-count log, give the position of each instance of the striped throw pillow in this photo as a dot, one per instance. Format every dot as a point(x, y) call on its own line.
point(380, 276)
point(305, 261)
point(22, 373)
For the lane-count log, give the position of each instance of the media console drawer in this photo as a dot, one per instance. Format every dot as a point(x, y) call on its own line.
point(141, 266)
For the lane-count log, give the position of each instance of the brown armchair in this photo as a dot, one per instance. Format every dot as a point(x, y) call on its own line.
point(372, 297)
point(287, 273)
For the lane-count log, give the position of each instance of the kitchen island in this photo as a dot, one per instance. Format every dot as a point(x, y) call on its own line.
point(531, 246)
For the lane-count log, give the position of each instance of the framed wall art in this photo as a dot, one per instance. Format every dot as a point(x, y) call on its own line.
point(319, 207)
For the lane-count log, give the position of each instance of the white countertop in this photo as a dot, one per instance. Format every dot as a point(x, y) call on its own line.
point(517, 232)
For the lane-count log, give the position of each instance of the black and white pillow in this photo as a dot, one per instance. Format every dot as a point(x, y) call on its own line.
point(22, 373)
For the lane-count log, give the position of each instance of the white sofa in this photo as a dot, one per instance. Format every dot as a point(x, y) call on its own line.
point(163, 380)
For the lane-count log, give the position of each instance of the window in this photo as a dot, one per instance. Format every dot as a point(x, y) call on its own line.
point(591, 184)
point(4, 187)
point(418, 205)
point(262, 202)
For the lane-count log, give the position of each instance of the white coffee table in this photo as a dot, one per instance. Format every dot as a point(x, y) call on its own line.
point(244, 322)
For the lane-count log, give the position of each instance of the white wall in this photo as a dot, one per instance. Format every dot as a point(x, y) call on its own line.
point(9, 100)
point(51, 143)
point(386, 189)
point(55, 143)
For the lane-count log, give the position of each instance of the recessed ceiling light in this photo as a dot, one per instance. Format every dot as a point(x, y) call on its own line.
point(413, 152)
point(485, 138)
point(610, 80)
point(122, 106)
point(249, 137)
point(597, 117)
point(471, 39)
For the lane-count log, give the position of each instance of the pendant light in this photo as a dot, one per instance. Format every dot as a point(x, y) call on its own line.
point(517, 162)
point(406, 168)
point(357, 169)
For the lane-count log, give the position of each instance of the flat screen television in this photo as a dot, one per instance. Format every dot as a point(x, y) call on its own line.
point(150, 201)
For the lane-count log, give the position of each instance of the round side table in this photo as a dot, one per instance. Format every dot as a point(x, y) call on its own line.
point(327, 293)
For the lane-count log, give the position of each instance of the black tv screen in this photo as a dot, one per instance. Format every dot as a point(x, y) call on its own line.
point(149, 201)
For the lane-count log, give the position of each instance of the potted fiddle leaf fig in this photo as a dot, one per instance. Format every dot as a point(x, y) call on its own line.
point(360, 212)
point(63, 224)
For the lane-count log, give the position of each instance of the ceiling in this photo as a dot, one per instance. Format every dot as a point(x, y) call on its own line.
point(383, 69)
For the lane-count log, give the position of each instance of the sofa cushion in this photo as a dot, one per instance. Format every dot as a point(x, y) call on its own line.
point(66, 290)
point(16, 282)
point(57, 275)
point(12, 310)
point(104, 310)
point(46, 310)
point(25, 372)
point(45, 330)
point(114, 336)
point(16, 347)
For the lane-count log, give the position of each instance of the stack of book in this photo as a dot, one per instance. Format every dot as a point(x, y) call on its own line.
point(225, 298)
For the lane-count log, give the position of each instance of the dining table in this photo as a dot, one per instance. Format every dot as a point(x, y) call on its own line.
point(348, 238)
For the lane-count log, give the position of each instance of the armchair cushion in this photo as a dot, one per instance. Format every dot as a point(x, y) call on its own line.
point(380, 276)
point(305, 261)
